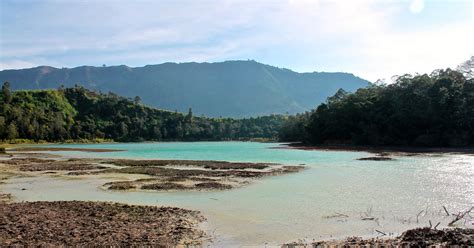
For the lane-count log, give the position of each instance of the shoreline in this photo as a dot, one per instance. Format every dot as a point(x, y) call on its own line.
point(79, 142)
point(58, 149)
point(379, 149)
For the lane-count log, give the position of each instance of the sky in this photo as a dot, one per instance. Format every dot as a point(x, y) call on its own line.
point(373, 39)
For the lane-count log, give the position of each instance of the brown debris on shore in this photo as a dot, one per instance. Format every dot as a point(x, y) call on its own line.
point(164, 178)
point(36, 164)
point(381, 158)
point(419, 237)
point(76, 223)
point(214, 165)
point(164, 186)
point(121, 185)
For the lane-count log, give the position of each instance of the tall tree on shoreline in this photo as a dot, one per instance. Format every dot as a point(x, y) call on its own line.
point(7, 95)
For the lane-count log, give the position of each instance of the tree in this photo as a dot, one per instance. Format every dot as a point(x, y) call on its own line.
point(156, 133)
point(123, 129)
point(2, 126)
point(12, 131)
point(189, 116)
point(340, 94)
point(7, 95)
point(467, 68)
point(137, 99)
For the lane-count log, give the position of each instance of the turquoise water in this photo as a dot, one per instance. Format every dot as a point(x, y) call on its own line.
point(226, 151)
point(289, 207)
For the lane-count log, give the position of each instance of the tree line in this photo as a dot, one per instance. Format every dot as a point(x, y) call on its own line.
point(420, 110)
point(80, 114)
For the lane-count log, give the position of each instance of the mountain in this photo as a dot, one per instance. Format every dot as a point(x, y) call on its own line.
point(231, 88)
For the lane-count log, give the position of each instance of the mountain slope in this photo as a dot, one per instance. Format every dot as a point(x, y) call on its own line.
point(232, 88)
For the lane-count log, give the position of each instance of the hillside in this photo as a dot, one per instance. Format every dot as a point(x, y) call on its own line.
point(80, 114)
point(230, 89)
point(435, 110)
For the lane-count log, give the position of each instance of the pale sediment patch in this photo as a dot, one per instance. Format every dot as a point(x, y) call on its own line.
point(154, 175)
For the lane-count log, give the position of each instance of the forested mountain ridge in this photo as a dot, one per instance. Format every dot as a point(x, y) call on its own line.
point(421, 110)
point(81, 114)
point(229, 89)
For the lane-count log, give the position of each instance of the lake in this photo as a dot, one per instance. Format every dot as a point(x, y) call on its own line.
point(296, 206)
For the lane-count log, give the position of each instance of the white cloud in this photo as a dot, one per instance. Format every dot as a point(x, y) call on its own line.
point(364, 36)
point(15, 64)
point(417, 6)
point(397, 53)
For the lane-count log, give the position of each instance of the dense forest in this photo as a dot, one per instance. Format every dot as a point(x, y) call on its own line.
point(420, 110)
point(80, 114)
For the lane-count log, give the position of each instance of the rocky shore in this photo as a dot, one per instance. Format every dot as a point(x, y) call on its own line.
point(79, 224)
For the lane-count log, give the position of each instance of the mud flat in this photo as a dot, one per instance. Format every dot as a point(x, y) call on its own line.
point(419, 237)
point(76, 223)
point(153, 175)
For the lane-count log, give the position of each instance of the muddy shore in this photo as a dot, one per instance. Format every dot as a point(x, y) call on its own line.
point(58, 149)
point(419, 237)
point(76, 223)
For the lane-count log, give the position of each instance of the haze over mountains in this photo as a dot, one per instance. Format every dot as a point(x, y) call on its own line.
point(228, 89)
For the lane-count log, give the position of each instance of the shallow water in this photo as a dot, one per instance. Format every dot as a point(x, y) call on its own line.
point(289, 207)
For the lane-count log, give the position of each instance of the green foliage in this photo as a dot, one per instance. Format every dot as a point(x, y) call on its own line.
point(421, 110)
point(6, 93)
point(79, 114)
point(293, 129)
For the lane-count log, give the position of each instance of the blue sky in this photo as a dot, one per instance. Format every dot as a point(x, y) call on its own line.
point(370, 38)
